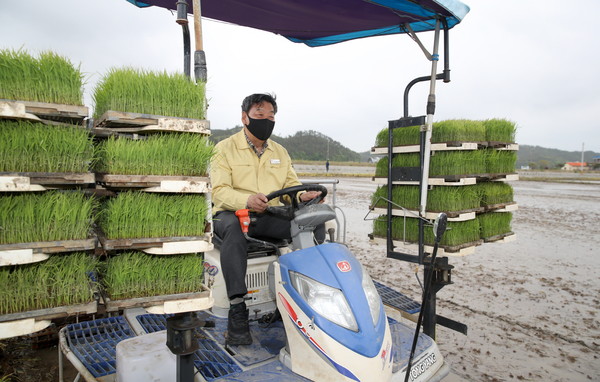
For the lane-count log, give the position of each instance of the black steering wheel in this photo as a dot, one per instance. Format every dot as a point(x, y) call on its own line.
point(287, 211)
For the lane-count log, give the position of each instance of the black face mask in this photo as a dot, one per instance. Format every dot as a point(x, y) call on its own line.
point(261, 128)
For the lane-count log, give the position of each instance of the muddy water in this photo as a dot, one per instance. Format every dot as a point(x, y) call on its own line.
point(532, 306)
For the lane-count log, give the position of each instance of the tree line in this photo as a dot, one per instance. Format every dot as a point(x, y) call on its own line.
point(303, 145)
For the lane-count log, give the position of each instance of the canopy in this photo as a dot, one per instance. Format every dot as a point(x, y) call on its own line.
point(325, 22)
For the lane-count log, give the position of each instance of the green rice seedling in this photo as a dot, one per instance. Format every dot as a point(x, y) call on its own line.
point(404, 196)
point(399, 160)
point(381, 139)
point(456, 130)
point(491, 193)
point(439, 199)
point(61, 280)
point(500, 130)
point(143, 215)
point(47, 216)
point(160, 154)
point(457, 163)
point(136, 274)
point(494, 223)
point(457, 233)
point(500, 161)
point(47, 78)
point(35, 147)
point(402, 136)
point(447, 199)
point(141, 91)
point(442, 163)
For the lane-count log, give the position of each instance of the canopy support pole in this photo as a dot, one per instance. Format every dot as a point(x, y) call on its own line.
point(429, 123)
point(200, 72)
point(182, 20)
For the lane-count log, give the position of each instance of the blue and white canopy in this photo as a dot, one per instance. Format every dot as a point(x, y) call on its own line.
point(325, 22)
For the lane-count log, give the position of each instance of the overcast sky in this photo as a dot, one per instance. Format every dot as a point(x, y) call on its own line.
point(534, 62)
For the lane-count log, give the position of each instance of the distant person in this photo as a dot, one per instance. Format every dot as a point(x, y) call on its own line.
point(246, 167)
point(327, 166)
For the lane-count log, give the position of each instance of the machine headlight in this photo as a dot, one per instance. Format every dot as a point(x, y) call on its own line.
point(327, 301)
point(372, 296)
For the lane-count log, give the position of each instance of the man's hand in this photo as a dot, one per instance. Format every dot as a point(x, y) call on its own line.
point(257, 203)
point(310, 195)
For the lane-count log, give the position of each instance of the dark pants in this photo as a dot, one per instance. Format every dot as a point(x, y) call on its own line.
point(234, 255)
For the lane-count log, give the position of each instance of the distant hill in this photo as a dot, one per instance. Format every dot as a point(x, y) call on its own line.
point(304, 145)
point(312, 145)
point(541, 157)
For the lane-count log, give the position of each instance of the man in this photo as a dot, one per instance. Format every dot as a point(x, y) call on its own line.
point(246, 167)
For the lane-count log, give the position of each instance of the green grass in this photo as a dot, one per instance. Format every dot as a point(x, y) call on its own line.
point(457, 163)
point(61, 280)
point(398, 160)
point(491, 193)
point(403, 136)
point(439, 199)
point(457, 233)
point(145, 215)
point(136, 274)
point(494, 223)
point(500, 130)
point(160, 154)
point(47, 216)
point(500, 161)
point(441, 163)
point(142, 91)
point(46, 78)
point(35, 147)
point(456, 130)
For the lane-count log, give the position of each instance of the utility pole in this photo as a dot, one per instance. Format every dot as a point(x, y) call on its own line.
point(582, 148)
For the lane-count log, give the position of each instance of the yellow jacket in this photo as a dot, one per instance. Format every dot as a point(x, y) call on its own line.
point(237, 172)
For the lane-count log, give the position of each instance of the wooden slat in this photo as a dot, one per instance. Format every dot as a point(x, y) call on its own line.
point(455, 180)
point(457, 216)
point(52, 313)
point(10, 179)
point(508, 146)
point(503, 238)
point(453, 251)
point(145, 302)
point(156, 183)
point(52, 246)
point(502, 207)
point(442, 146)
point(143, 243)
point(432, 182)
point(44, 110)
point(115, 122)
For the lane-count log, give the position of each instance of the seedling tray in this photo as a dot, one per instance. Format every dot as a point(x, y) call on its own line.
point(41, 181)
point(453, 251)
point(160, 245)
point(156, 183)
point(118, 122)
point(172, 303)
point(452, 215)
point(22, 323)
point(444, 146)
point(25, 253)
point(40, 111)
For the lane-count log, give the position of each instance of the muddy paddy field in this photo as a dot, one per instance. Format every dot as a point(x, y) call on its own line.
point(532, 306)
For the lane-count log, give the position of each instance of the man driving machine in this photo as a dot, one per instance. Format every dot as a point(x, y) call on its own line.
point(246, 167)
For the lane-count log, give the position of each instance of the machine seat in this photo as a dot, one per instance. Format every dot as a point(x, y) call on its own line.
point(256, 249)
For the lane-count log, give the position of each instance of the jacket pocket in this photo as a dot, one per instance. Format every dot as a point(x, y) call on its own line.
point(243, 177)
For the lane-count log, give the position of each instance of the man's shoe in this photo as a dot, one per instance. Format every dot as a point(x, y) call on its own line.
point(238, 330)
